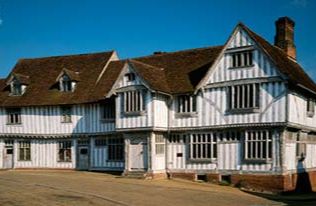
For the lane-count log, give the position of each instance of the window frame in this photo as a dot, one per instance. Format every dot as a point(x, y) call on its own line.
point(160, 144)
point(262, 139)
point(65, 84)
point(200, 142)
point(108, 111)
point(66, 117)
point(116, 144)
point(130, 107)
point(243, 98)
point(242, 59)
point(14, 114)
point(186, 105)
point(310, 107)
point(66, 147)
point(24, 150)
point(130, 77)
point(16, 88)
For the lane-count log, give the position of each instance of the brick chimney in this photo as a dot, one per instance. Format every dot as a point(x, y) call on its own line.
point(284, 37)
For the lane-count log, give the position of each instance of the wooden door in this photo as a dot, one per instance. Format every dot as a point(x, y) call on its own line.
point(83, 157)
point(138, 156)
point(8, 155)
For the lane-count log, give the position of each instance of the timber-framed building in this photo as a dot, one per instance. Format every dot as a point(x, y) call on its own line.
point(243, 112)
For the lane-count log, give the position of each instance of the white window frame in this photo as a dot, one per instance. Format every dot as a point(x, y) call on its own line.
point(130, 77)
point(159, 144)
point(25, 150)
point(258, 145)
point(242, 59)
point(134, 101)
point(14, 116)
point(310, 107)
point(186, 104)
point(244, 97)
point(203, 146)
point(66, 114)
point(64, 151)
point(16, 88)
point(65, 84)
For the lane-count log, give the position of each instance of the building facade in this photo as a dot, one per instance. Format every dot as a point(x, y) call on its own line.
point(242, 112)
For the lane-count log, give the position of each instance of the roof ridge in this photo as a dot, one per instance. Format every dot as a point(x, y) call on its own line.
point(67, 55)
point(179, 51)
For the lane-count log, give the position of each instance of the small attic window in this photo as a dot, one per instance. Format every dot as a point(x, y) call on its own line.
point(242, 59)
point(130, 77)
point(66, 85)
point(16, 88)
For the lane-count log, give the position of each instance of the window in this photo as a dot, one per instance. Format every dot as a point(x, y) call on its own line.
point(310, 107)
point(108, 110)
point(258, 145)
point(203, 146)
point(65, 84)
point(24, 151)
point(16, 88)
point(160, 144)
point(175, 138)
point(242, 59)
point(300, 147)
point(100, 142)
point(243, 96)
point(186, 104)
point(115, 149)
point(64, 151)
point(66, 114)
point(14, 116)
point(134, 101)
point(130, 77)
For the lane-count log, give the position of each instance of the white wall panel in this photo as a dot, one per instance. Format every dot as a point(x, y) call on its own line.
point(47, 120)
point(44, 155)
point(298, 111)
point(212, 108)
point(125, 121)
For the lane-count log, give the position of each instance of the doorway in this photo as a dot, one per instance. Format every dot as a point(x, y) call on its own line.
point(83, 152)
point(138, 156)
point(8, 154)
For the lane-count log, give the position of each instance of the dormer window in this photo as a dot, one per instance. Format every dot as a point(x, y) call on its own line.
point(17, 84)
point(66, 84)
point(67, 80)
point(130, 77)
point(16, 88)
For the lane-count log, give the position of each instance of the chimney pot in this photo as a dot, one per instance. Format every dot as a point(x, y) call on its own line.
point(284, 38)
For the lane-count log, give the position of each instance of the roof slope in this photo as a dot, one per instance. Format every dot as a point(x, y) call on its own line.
point(154, 76)
point(183, 69)
point(108, 79)
point(295, 73)
point(42, 73)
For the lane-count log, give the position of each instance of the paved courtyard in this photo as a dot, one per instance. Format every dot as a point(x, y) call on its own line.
point(87, 188)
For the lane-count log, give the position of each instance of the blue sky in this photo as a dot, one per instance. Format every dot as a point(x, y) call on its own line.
point(35, 28)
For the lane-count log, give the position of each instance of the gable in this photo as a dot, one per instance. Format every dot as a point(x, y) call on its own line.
point(240, 41)
point(124, 81)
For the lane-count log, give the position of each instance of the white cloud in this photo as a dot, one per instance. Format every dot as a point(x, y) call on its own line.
point(299, 3)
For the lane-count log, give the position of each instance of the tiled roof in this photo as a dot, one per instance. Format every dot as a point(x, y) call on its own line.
point(42, 73)
point(183, 70)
